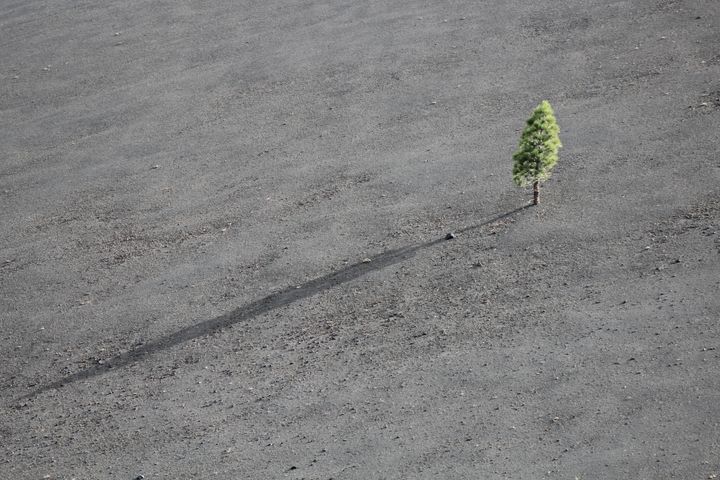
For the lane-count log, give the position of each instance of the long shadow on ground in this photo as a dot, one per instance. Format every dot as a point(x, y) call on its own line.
point(256, 308)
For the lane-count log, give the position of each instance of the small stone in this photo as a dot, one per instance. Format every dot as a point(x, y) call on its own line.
point(366, 260)
point(140, 477)
point(450, 236)
point(155, 167)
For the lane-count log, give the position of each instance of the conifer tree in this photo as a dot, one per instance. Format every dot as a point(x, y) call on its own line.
point(538, 150)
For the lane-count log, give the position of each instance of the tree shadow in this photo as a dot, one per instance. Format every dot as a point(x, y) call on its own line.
point(251, 310)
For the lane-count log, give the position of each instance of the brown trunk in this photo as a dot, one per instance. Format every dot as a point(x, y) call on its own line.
point(536, 193)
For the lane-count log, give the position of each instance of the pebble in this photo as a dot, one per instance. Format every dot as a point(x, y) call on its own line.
point(366, 260)
point(450, 236)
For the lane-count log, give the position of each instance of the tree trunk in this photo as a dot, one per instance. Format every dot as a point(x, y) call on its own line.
point(536, 193)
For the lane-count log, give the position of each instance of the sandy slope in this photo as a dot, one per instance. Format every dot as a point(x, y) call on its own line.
point(189, 190)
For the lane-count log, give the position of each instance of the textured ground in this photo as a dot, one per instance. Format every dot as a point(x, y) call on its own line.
point(191, 191)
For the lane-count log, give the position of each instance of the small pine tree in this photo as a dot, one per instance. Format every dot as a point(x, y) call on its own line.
point(538, 150)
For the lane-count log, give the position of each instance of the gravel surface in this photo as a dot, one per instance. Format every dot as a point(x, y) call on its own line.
point(224, 245)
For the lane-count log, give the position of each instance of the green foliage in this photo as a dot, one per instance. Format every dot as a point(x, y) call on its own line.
point(539, 145)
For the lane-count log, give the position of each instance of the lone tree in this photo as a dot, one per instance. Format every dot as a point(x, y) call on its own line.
point(538, 150)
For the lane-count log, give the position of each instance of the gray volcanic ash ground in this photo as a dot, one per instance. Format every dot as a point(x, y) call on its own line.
point(222, 247)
